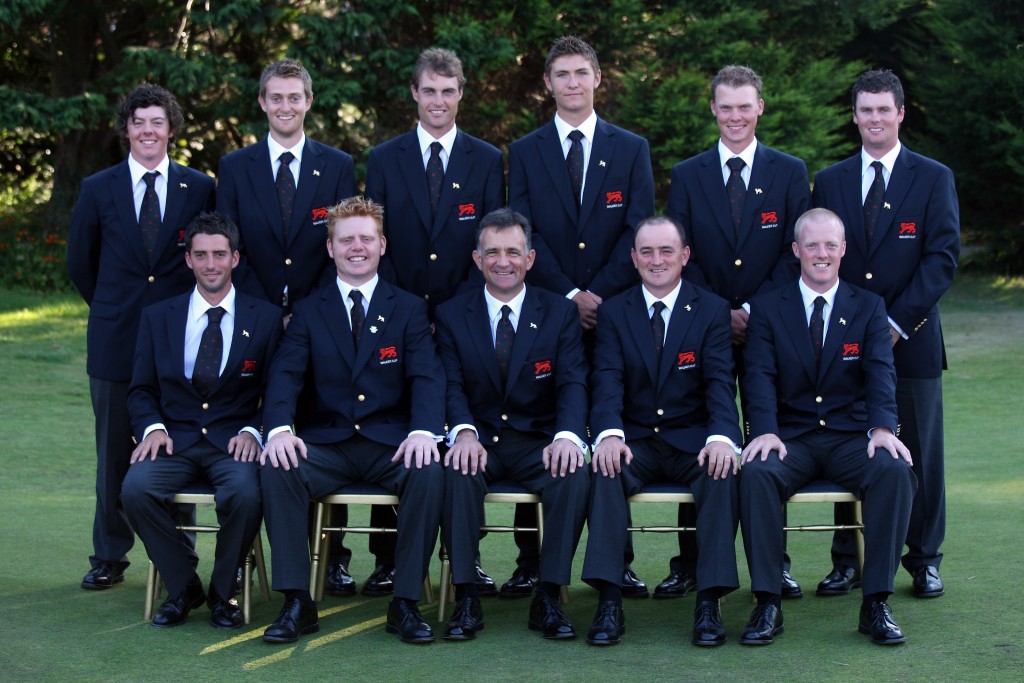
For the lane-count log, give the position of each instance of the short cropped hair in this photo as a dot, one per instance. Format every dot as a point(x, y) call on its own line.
point(355, 207)
point(439, 61)
point(570, 45)
point(655, 220)
point(212, 223)
point(735, 76)
point(816, 215)
point(878, 81)
point(149, 95)
point(286, 68)
point(505, 219)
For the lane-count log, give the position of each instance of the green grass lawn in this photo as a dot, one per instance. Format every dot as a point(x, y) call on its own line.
point(51, 629)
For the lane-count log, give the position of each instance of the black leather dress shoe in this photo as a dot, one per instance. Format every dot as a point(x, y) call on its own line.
point(104, 575)
point(927, 582)
point(295, 619)
point(609, 624)
point(339, 581)
point(708, 630)
point(876, 620)
point(790, 588)
point(484, 584)
point(547, 617)
point(841, 581)
point(521, 585)
point(381, 581)
point(467, 619)
point(764, 624)
point(404, 619)
point(675, 585)
point(175, 610)
point(632, 586)
point(225, 615)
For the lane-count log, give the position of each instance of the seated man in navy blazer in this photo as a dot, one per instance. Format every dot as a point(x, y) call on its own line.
point(126, 246)
point(584, 185)
point(822, 406)
point(517, 406)
point(200, 370)
point(376, 402)
point(664, 410)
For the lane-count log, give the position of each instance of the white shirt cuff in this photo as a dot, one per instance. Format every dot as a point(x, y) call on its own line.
point(606, 433)
point(277, 430)
point(723, 439)
point(573, 293)
point(450, 440)
point(152, 427)
point(575, 439)
point(424, 432)
point(898, 328)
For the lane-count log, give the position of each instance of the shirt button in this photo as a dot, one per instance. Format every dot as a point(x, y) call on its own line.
point(821, 422)
point(361, 397)
point(738, 262)
point(494, 439)
point(204, 430)
point(206, 406)
point(661, 411)
point(151, 278)
point(817, 399)
point(287, 261)
point(583, 245)
point(433, 257)
point(868, 276)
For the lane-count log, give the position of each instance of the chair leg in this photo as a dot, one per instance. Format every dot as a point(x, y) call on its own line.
point(446, 585)
point(261, 566)
point(428, 590)
point(247, 588)
point(858, 511)
point(316, 583)
point(152, 581)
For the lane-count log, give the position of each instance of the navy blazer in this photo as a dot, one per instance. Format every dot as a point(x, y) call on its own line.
point(761, 258)
point(689, 395)
point(587, 249)
point(853, 389)
point(546, 389)
point(246, 191)
point(914, 253)
point(110, 268)
point(431, 256)
point(392, 384)
point(160, 392)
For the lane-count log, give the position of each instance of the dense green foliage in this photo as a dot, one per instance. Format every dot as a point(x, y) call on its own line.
point(64, 64)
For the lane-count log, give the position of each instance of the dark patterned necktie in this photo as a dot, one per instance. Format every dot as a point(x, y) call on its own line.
point(211, 351)
point(149, 215)
point(435, 175)
point(736, 191)
point(504, 337)
point(357, 314)
point(658, 326)
point(574, 162)
point(873, 201)
point(817, 327)
point(286, 192)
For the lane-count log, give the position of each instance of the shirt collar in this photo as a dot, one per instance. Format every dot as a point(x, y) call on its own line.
point(138, 170)
point(447, 140)
point(669, 299)
point(809, 295)
point(587, 127)
point(198, 305)
point(494, 305)
point(277, 149)
point(724, 153)
point(888, 160)
point(366, 289)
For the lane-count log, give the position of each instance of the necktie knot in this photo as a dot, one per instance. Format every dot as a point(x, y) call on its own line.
point(357, 298)
point(877, 165)
point(150, 179)
point(817, 327)
point(435, 149)
point(214, 315)
point(286, 158)
point(435, 175)
point(658, 307)
point(658, 326)
point(735, 165)
point(506, 310)
point(357, 313)
point(575, 135)
point(208, 357)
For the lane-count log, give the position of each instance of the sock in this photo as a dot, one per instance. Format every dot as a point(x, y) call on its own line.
point(608, 591)
point(302, 595)
point(710, 595)
point(549, 589)
point(466, 590)
point(766, 598)
point(874, 597)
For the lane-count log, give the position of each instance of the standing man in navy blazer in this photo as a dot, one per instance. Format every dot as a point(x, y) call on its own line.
point(195, 405)
point(281, 211)
point(907, 255)
point(376, 401)
point(431, 235)
point(742, 244)
point(821, 392)
point(517, 407)
point(126, 249)
point(663, 409)
point(584, 185)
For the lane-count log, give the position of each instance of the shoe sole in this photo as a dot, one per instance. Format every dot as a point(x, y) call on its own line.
point(708, 643)
point(603, 643)
point(415, 641)
point(764, 641)
point(792, 596)
point(313, 628)
point(102, 586)
point(888, 641)
point(924, 595)
point(537, 627)
point(222, 627)
point(836, 591)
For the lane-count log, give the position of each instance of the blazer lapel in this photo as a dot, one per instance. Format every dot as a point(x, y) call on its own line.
point(531, 317)
point(415, 176)
point(335, 316)
point(838, 325)
point(639, 323)
point(795, 321)
point(264, 187)
point(177, 194)
point(549, 148)
point(378, 315)
point(602, 152)
point(714, 190)
point(311, 172)
point(460, 166)
point(245, 322)
point(678, 325)
point(176, 321)
point(900, 180)
point(478, 327)
point(761, 176)
point(854, 204)
point(124, 200)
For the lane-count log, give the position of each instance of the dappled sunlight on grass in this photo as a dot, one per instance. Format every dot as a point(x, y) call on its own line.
point(58, 321)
